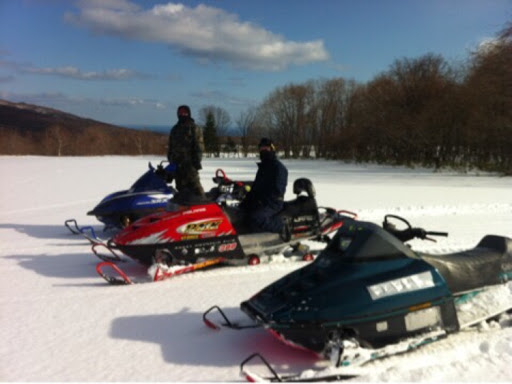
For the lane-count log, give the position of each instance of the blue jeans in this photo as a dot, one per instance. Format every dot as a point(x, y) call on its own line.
point(265, 219)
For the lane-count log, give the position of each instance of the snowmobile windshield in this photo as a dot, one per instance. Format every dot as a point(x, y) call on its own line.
point(149, 181)
point(362, 242)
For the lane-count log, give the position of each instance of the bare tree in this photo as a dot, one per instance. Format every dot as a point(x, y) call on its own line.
point(489, 85)
point(246, 123)
point(55, 135)
point(333, 102)
point(287, 115)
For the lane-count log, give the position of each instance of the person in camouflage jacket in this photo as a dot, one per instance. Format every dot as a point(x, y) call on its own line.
point(185, 149)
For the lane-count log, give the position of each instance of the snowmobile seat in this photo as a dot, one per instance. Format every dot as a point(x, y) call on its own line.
point(478, 267)
point(301, 205)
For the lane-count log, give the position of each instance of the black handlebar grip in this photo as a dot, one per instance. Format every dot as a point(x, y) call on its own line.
point(445, 234)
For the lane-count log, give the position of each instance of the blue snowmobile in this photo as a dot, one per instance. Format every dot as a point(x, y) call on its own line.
point(149, 194)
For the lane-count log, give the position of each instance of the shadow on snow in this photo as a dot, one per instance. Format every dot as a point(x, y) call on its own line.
point(185, 340)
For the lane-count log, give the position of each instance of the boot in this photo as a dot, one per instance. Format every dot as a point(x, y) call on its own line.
point(286, 233)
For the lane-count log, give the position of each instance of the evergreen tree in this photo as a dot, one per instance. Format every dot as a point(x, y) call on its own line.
point(211, 141)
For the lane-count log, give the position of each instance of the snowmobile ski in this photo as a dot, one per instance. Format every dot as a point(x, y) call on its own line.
point(157, 272)
point(75, 229)
point(227, 323)
point(254, 378)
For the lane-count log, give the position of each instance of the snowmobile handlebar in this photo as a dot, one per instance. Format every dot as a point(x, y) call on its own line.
point(409, 233)
point(431, 233)
point(220, 178)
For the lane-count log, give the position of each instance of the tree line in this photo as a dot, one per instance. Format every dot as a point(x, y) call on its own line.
point(93, 140)
point(421, 111)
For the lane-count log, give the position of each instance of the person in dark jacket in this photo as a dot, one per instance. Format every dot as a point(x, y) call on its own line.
point(266, 197)
point(186, 151)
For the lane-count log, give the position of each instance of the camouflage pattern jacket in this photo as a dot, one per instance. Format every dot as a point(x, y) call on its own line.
point(186, 144)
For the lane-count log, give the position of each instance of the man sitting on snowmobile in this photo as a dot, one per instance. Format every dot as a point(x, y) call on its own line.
point(266, 197)
point(185, 150)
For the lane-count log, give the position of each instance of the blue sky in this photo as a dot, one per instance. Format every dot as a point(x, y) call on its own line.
point(133, 62)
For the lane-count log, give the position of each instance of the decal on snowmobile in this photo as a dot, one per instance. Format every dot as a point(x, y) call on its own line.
point(155, 199)
point(227, 247)
point(189, 237)
point(206, 247)
point(195, 210)
point(405, 284)
point(155, 238)
point(200, 226)
point(301, 219)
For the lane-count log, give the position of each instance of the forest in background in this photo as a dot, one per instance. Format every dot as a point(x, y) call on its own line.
point(34, 130)
point(420, 112)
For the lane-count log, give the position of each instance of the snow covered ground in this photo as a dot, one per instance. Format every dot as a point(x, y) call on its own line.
point(59, 321)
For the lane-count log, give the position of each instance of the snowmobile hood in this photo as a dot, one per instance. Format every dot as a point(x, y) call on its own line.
point(187, 223)
point(128, 202)
point(364, 271)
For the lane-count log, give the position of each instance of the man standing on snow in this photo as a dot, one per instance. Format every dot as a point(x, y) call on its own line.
point(266, 197)
point(186, 151)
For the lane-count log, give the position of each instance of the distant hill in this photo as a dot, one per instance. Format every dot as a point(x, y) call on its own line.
point(28, 129)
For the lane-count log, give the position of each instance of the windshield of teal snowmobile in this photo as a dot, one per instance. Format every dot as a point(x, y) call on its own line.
point(361, 242)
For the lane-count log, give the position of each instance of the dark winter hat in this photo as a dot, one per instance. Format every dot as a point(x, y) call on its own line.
point(265, 142)
point(183, 110)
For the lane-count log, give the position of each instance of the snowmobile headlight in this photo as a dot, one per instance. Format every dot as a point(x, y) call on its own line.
point(405, 284)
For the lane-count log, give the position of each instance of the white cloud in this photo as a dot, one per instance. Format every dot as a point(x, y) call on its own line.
point(212, 96)
point(76, 73)
point(120, 5)
point(58, 99)
point(203, 32)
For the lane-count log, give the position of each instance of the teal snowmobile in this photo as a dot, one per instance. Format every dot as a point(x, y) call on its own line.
point(369, 289)
point(369, 295)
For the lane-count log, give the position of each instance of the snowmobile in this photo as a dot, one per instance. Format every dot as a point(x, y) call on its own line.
point(202, 234)
point(149, 194)
point(369, 295)
point(367, 290)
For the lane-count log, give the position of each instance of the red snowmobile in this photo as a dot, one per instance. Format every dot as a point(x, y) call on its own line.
point(195, 236)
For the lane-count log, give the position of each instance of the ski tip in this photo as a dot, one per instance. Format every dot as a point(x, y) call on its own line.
point(211, 325)
point(252, 377)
